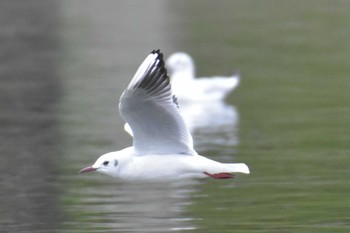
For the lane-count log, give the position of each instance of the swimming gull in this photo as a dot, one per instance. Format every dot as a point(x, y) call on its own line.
point(190, 89)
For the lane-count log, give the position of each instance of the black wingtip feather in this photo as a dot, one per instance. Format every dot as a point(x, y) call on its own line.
point(156, 79)
point(156, 51)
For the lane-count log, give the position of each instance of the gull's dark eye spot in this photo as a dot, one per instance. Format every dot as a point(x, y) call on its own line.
point(105, 163)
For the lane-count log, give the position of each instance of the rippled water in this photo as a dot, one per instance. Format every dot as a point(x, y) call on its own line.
point(64, 65)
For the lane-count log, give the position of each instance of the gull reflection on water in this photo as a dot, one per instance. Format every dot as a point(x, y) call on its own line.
point(211, 123)
point(136, 206)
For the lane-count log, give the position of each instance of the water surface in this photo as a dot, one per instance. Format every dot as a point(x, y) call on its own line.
point(64, 65)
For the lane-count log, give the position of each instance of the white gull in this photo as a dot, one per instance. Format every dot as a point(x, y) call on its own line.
point(188, 88)
point(162, 144)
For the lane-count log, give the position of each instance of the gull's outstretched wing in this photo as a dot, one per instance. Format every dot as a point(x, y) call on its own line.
point(149, 107)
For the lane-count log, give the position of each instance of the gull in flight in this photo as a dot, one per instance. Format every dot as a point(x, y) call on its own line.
point(162, 144)
point(190, 89)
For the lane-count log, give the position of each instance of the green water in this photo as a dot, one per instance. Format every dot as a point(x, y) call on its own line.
point(293, 128)
point(293, 132)
point(294, 107)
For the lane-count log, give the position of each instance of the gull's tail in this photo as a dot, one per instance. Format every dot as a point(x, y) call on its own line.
point(237, 167)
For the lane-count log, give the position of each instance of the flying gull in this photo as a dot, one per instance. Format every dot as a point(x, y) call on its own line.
point(162, 144)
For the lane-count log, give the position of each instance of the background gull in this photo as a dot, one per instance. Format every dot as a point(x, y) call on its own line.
point(188, 88)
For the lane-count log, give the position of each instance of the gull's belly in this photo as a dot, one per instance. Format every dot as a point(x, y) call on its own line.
point(153, 167)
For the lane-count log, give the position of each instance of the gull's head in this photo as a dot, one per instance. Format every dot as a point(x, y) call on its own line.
point(180, 64)
point(107, 164)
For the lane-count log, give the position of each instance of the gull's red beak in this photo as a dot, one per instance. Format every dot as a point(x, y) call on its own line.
point(87, 169)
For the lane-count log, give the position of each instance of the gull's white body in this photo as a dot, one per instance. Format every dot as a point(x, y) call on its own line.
point(190, 89)
point(162, 145)
point(160, 167)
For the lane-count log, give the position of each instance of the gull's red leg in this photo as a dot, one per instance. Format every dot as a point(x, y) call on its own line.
point(223, 175)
